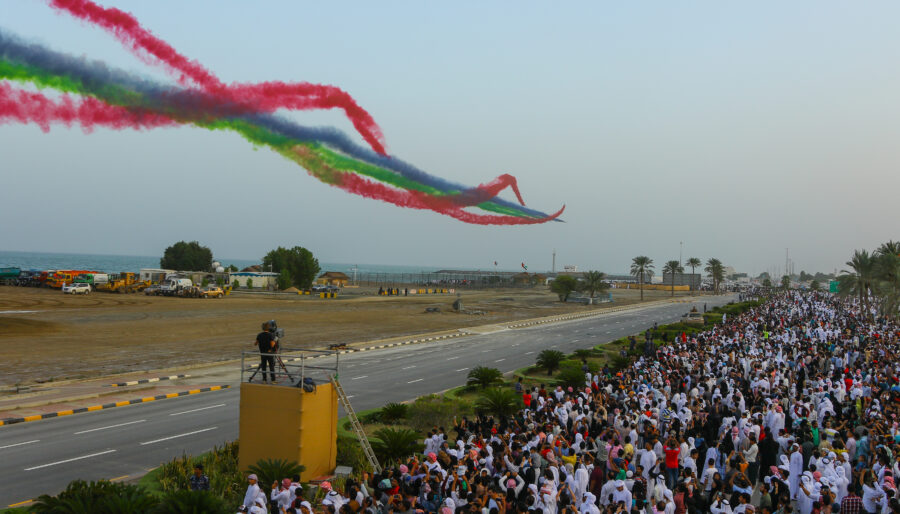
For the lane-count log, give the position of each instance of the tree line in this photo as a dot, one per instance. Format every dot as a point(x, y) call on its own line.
point(874, 278)
point(295, 266)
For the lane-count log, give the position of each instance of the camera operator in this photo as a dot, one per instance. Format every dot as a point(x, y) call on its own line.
point(268, 347)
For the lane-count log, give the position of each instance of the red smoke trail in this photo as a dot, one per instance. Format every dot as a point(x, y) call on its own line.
point(356, 184)
point(450, 205)
point(266, 96)
point(29, 107)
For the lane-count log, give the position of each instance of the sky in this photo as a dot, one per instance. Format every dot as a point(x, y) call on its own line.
point(726, 129)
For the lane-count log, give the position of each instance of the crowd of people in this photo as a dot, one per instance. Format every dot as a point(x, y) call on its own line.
point(788, 407)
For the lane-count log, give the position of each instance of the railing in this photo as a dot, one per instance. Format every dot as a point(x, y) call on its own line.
point(292, 367)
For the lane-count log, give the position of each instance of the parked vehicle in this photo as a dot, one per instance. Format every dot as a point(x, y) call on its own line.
point(172, 285)
point(77, 288)
point(319, 288)
point(212, 292)
point(9, 275)
point(125, 282)
point(94, 279)
point(60, 277)
point(693, 318)
point(151, 290)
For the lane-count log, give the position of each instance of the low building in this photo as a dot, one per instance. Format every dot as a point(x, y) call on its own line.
point(333, 278)
point(683, 279)
point(154, 275)
point(257, 279)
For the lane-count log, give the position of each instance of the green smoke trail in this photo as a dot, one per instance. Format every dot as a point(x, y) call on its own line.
point(327, 164)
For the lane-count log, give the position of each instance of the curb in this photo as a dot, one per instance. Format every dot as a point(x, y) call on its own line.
point(147, 381)
point(575, 316)
point(388, 345)
point(36, 417)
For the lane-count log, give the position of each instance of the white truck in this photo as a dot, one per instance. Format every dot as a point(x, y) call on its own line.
point(171, 285)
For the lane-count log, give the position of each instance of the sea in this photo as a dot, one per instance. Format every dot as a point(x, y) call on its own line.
point(117, 263)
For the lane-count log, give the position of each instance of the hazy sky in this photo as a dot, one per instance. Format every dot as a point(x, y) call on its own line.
point(740, 129)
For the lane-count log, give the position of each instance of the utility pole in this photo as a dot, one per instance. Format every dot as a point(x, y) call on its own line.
point(786, 259)
point(553, 270)
point(680, 248)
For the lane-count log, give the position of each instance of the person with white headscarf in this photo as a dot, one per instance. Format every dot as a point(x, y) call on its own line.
point(796, 469)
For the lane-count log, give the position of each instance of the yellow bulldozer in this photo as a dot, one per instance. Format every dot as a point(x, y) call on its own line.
point(125, 282)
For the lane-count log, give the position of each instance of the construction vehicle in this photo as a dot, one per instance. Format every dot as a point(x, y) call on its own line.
point(125, 282)
point(61, 277)
point(95, 280)
point(172, 286)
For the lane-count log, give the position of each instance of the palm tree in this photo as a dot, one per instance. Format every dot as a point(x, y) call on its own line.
point(502, 401)
point(271, 470)
point(887, 270)
point(484, 376)
point(716, 271)
point(859, 279)
point(593, 281)
point(393, 411)
point(673, 268)
point(392, 444)
point(550, 359)
point(641, 267)
point(189, 502)
point(889, 248)
point(693, 263)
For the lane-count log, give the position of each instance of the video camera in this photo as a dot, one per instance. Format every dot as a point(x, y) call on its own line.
point(272, 327)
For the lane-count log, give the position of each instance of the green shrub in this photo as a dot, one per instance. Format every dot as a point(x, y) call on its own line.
point(434, 410)
point(550, 360)
point(220, 465)
point(618, 363)
point(236, 284)
point(483, 377)
point(191, 502)
point(249, 283)
point(204, 282)
point(350, 453)
point(101, 497)
point(499, 401)
point(394, 444)
point(571, 376)
point(393, 412)
point(273, 470)
point(584, 353)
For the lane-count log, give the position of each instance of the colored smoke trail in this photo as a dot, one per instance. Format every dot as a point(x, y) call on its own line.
point(119, 100)
point(266, 96)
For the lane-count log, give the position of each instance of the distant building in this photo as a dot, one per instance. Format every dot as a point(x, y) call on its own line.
point(258, 279)
point(333, 278)
point(154, 275)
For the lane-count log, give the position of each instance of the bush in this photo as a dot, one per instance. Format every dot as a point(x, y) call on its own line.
point(101, 497)
point(273, 470)
point(500, 401)
point(583, 353)
point(236, 284)
point(391, 445)
point(204, 282)
point(619, 362)
point(249, 283)
point(191, 502)
point(393, 411)
point(571, 376)
point(484, 376)
point(433, 410)
point(220, 464)
point(550, 360)
point(350, 453)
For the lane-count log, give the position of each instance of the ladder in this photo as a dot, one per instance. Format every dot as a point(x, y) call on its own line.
point(357, 428)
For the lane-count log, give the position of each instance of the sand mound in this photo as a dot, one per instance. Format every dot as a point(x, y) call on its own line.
point(292, 290)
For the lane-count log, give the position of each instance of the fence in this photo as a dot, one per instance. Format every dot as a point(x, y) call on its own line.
point(292, 366)
point(471, 280)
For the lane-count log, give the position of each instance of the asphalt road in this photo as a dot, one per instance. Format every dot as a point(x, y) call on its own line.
point(43, 456)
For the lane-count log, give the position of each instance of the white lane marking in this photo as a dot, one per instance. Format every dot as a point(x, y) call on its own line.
point(528, 353)
point(451, 358)
point(179, 435)
point(409, 367)
point(609, 331)
point(111, 426)
point(69, 460)
point(485, 351)
point(576, 340)
point(357, 378)
point(20, 444)
point(17, 312)
point(416, 380)
point(499, 360)
point(195, 410)
point(350, 395)
point(462, 369)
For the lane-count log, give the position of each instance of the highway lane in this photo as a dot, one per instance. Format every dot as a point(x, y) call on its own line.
point(43, 456)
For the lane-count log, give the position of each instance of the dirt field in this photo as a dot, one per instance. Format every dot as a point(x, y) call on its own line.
point(100, 334)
